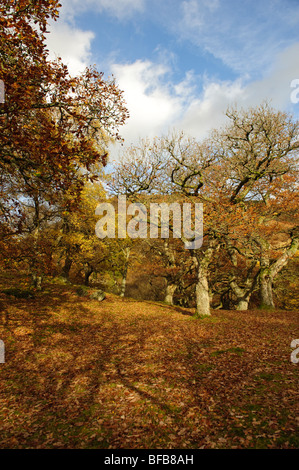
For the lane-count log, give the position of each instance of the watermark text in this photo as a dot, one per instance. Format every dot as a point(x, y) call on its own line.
point(184, 221)
point(295, 92)
point(295, 353)
point(2, 92)
point(2, 352)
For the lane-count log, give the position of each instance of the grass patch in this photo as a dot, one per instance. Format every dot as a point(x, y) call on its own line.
point(202, 368)
point(268, 376)
point(235, 350)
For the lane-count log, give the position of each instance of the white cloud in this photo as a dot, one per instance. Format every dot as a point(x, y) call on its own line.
point(153, 102)
point(245, 36)
point(71, 44)
point(119, 8)
point(276, 86)
point(208, 112)
point(156, 105)
point(195, 12)
point(192, 14)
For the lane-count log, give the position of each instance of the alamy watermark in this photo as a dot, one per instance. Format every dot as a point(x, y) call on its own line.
point(295, 92)
point(158, 219)
point(295, 353)
point(2, 352)
point(2, 92)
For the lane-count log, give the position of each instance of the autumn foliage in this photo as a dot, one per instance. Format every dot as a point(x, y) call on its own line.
point(54, 127)
point(188, 349)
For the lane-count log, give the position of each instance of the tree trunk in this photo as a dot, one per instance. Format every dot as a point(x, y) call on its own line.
point(171, 263)
point(35, 268)
point(123, 285)
point(87, 274)
point(243, 304)
point(126, 252)
point(270, 270)
point(36, 281)
point(202, 294)
point(170, 290)
point(243, 294)
point(266, 295)
point(66, 268)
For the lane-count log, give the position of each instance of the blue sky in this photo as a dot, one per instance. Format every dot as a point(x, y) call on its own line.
point(182, 63)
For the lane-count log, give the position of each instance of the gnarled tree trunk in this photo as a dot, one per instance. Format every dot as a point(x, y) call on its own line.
point(36, 281)
point(202, 292)
point(87, 273)
point(170, 290)
point(269, 271)
point(243, 294)
point(67, 267)
point(266, 293)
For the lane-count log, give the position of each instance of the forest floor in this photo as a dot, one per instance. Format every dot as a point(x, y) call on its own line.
point(141, 375)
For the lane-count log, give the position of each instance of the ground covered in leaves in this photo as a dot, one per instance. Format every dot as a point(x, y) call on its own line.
point(128, 374)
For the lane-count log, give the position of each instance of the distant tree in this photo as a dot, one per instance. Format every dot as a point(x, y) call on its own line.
point(261, 163)
point(236, 173)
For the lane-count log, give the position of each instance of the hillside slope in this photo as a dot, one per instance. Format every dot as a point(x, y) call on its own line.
point(130, 374)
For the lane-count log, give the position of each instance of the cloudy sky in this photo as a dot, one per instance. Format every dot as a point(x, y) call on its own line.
point(181, 63)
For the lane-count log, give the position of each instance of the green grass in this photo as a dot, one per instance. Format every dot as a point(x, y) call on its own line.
point(235, 350)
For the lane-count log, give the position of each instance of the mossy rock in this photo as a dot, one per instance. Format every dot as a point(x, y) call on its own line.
point(98, 294)
point(82, 291)
point(60, 280)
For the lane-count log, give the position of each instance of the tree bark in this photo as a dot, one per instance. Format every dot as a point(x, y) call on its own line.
point(266, 293)
point(36, 275)
point(202, 294)
point(87, 273)
point(170, 290)
point(242, 305)
point(123, 285)
point(126, 252)
point(269, 272)
point(36, 281)
point(67, 267)
point(243, 294)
